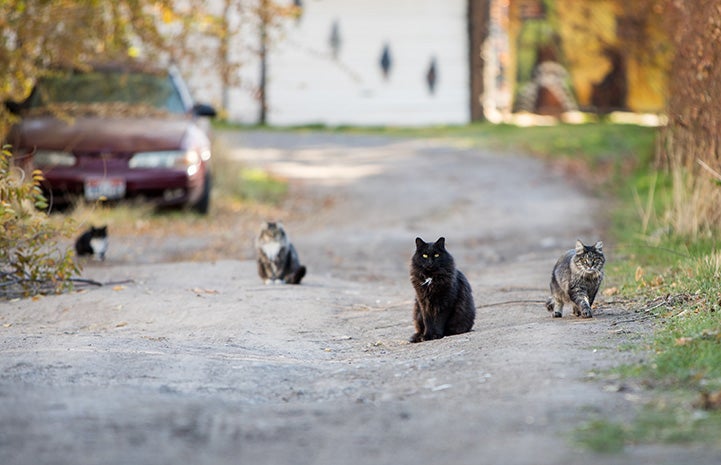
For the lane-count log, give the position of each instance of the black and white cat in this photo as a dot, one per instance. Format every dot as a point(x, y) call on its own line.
point(444, 300)
point(278, 260)
point(576, 278)
point(93, 242)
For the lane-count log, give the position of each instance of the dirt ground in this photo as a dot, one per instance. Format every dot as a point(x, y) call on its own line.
point(198, 362)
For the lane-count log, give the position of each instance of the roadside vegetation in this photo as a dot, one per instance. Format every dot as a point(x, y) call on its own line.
point(31, 262)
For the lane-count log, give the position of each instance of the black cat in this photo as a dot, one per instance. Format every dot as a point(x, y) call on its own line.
point(93, 242)
point(444, 301)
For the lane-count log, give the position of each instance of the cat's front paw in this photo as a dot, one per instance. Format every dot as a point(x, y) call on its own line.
point(550, 305)
point(586, 313)
point(417, 337)
point(557, 314)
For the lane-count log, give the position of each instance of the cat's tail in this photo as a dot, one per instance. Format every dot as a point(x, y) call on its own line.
point(298, 275)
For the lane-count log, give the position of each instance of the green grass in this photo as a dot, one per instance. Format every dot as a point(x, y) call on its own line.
point(597, 144)
point(671, 419)
point(251, 184)
point(601, 436)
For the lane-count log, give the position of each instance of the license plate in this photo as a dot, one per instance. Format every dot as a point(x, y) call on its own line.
point(104, 188)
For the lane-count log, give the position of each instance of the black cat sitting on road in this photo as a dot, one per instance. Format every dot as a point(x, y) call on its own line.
point(444, 302)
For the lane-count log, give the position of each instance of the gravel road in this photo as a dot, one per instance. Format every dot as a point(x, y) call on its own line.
point(199, 362)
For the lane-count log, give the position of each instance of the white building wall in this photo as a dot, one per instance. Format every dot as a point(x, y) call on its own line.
point(306, 85)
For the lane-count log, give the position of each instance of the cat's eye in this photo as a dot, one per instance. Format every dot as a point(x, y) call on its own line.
point(437, 255)
point(425, 255)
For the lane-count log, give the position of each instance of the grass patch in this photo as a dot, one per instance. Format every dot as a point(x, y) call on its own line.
point(591, 142)
point(671, 419)
point(601, 436)
point(253, 185)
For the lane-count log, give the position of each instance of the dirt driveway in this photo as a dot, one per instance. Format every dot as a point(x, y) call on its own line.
point(198, 362)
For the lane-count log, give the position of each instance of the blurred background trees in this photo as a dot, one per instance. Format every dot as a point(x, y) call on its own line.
point(630, 52)
point(39, 33)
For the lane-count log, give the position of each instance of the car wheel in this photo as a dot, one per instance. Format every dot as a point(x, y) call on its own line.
point(202, 206)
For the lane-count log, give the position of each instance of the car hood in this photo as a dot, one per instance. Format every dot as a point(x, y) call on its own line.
point(100, 134)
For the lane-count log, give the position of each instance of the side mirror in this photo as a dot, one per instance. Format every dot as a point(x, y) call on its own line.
point(201, 109)
point(13, 106)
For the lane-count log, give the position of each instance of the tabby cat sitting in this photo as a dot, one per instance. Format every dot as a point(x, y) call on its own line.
point(278, 260)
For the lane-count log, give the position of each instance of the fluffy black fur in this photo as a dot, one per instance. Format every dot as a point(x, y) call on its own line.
point(444, 301)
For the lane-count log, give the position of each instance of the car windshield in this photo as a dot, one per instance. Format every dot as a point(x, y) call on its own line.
point(108, 88)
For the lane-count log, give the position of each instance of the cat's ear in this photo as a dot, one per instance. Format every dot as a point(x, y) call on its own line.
point(441, 242)
point(599, 246)
point(580, 248)
point(419, 243)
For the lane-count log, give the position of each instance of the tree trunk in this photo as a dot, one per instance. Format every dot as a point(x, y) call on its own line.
point(478, 22)
point(692, 138)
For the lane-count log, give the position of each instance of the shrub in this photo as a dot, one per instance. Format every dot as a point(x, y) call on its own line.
point(31, 260)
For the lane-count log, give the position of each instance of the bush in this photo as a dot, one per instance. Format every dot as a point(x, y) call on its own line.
point(31, 260)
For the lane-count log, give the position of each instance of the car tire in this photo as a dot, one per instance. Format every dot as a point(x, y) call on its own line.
point(202, 206)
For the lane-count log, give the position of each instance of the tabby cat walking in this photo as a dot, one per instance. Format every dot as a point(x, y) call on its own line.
point(444, 302)
point(576, 278)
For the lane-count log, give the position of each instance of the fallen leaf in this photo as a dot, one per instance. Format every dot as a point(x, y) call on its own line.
point(7, 325)
point(198, 290)
point(121, 324)
point(682, 341)
point(118, 288)
point(639, 274)
point(610, 291)
point(710, 400)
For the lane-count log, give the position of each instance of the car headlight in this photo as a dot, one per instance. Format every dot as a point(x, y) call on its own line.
point(51, 158)
point(188, 160)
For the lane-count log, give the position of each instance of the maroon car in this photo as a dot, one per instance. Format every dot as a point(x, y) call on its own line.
point(115, 132)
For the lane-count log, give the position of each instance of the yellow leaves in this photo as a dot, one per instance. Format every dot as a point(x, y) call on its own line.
point(167, 15)
point(38, 176)
point(133, 51)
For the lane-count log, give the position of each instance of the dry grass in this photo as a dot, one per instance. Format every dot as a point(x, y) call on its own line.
point(138, 233)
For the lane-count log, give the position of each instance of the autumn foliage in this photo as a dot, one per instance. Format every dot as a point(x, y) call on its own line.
point(31, 260)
